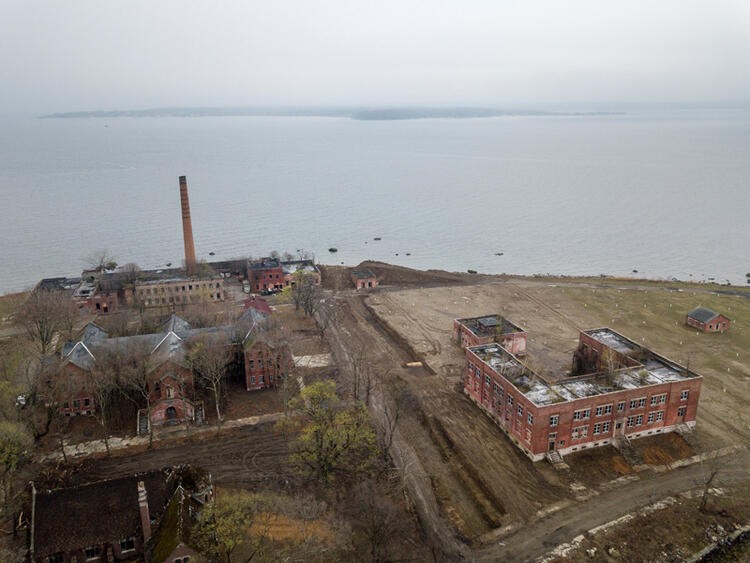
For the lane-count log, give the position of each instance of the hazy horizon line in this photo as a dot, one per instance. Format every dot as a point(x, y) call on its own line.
point(350, 110)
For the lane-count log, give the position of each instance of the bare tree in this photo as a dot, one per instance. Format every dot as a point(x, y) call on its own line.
point(396, 400)
point(362, 376)
point(101, 261)
point(306, 294)
point(131, 367)
point(376, 521)
point(710, 470)
point(104, 385)
point(46, 313)
point(209, 357)
point(130, 272)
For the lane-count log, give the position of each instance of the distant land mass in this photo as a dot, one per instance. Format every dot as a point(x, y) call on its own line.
point(364, 114)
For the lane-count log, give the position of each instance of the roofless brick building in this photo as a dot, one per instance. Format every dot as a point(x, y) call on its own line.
point(619, 390)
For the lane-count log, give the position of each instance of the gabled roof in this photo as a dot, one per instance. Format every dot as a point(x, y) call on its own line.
point(363, 274)
point(92, 332)
point(174, 529)
point(81, 356)
point(257, 303)
point(252, 316)
point(94, 514)
point(703, 314)
point(171, 348)
point(175, 324)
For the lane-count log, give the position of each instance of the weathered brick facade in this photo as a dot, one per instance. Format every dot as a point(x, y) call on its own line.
point(707, 320)
point(265, 365)
point(179, 291)
point(652, 396)
point(264, 275)
point(364, 279)
point(476, 331)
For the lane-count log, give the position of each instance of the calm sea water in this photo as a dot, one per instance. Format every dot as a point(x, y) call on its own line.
point(666, 194)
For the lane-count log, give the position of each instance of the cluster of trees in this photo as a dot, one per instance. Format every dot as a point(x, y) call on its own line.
point(349, 491)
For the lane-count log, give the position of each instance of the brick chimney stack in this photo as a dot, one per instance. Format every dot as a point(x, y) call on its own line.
point(187, 227)
point(143, 507)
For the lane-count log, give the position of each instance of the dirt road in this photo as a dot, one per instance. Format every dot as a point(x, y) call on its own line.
point(246, 457)
point(473, 480)
point(535, 540)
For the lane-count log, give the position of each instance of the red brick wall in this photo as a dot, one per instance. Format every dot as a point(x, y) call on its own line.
point(179, 377)
point(719, 324)
point(364, 283)
point(181, 408)
point(72, 391)
point(265, 365)
point(180, 380)
point(518, 428)
point(514, 342)
point(266, 278)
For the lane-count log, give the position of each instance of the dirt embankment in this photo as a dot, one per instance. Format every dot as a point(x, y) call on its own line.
point(339, 277)
point(478, 481)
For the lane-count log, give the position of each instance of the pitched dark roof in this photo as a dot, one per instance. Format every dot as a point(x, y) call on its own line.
point(363, 274)
point(176, 324)
point(92, 332)
point(703, 314)
point(257, 303)
point(93, 514)
point(80, 356)
point(174, 529)
point(58, 284)
point(170, 349)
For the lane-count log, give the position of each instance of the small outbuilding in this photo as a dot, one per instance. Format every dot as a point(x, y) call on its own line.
point(364, 279)
point(707, 320)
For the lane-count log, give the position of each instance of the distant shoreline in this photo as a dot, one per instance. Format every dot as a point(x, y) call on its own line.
point(359, 114)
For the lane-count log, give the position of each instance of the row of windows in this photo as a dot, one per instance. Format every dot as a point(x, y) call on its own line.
point(178, 288)
point(179, 299)
point(637, 420)
point(262, 379)
point(580, 432)
point(77, 404)
point(95, 551)
point(604, 410)
point(251, 364)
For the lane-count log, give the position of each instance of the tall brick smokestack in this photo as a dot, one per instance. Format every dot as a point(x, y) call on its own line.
point(187, 227)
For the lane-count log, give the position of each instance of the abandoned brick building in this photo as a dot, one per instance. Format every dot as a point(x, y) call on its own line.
point(171, 380)
point(180, 290)
point(272, 274)
point(265, 357)
point(476, 331)
point(364, 279)
point(146, 516)
point(707, 320)
point(619, 390)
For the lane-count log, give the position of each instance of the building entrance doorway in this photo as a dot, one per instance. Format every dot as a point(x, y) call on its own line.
point(171, 413)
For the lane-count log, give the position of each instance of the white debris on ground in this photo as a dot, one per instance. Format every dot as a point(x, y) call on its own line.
point(312, 361)
point(563, 550)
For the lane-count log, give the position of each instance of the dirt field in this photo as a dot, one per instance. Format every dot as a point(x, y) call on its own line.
point(480, 481)
point(553, 313)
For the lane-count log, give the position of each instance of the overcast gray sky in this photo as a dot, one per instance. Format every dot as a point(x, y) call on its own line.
point(101, 54)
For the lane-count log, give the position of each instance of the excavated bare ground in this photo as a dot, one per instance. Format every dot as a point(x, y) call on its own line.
point(339, 277)
point(480, 479)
